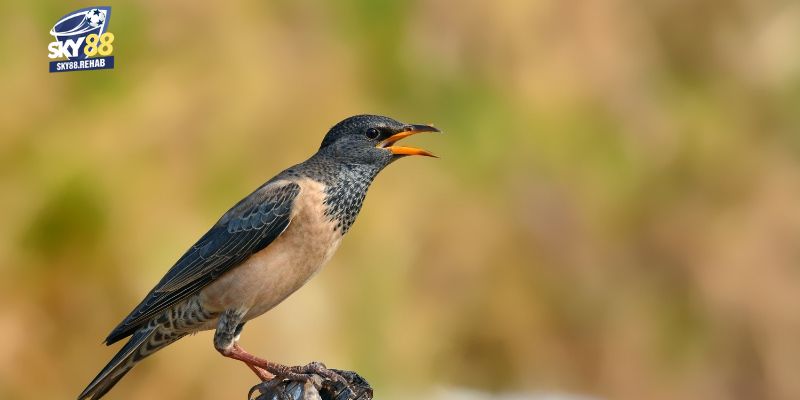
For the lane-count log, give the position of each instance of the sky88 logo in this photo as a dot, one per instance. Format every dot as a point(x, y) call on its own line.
point(82, 38)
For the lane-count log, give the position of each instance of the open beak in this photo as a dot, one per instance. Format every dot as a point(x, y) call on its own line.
point(409, 130)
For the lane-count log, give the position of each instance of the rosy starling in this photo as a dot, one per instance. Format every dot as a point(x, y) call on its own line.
point(261, 251)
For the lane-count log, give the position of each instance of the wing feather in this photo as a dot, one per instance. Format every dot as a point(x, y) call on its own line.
point(248, 227)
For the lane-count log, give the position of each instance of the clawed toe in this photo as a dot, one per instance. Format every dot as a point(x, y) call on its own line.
point(318, 368)
point(296, 376)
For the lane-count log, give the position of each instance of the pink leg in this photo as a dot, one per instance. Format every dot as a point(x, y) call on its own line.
point(267, 370)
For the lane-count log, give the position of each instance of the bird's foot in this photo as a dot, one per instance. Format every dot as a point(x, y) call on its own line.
point(318, 368)
point(314, 375)
point(305, 373)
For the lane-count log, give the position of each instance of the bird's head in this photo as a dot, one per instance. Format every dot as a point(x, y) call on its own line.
point(370, 139)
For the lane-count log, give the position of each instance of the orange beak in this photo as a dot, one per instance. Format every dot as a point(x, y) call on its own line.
point(409, 130)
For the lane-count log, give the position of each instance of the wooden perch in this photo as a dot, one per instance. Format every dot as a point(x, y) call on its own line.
point(318, 388)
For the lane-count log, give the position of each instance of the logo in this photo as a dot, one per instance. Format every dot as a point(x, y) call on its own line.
point(82, 38)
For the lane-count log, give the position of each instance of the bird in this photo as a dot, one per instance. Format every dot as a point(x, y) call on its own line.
point(262, 250)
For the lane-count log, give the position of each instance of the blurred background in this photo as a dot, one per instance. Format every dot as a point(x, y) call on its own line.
point(614, 214)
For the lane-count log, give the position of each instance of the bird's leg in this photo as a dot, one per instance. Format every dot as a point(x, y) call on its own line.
point(261, 373)
point(229, 328)
point(294, 373)
point(225, 341)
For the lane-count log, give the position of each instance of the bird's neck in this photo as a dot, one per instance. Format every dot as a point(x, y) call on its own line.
point(346, 185)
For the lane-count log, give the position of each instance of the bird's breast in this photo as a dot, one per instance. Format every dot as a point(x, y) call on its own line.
point(269, 276)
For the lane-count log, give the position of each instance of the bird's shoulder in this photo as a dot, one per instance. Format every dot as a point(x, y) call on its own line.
point(263, 200)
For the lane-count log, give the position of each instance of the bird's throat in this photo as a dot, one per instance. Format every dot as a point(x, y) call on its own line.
point(344, 196)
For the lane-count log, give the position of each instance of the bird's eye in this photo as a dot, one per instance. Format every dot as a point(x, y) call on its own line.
point(373, 133)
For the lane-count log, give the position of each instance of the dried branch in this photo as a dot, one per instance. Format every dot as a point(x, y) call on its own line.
point(318, 388)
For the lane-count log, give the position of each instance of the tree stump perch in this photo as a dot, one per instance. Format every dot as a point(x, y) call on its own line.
point(317, 388)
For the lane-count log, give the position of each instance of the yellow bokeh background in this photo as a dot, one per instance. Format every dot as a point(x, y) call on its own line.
point(614, 214)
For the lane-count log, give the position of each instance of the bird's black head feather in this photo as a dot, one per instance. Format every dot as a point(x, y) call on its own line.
point(355, 140)
point(358, 127)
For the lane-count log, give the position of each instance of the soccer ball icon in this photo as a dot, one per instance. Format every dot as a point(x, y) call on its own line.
point(96, 17)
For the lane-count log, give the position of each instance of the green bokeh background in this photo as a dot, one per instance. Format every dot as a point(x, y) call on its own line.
point(615, 210)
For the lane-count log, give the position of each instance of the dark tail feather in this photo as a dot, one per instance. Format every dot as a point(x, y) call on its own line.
point(100, 388)
point(144, 342)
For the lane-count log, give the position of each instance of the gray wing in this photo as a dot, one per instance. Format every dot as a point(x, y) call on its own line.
point(248, 227)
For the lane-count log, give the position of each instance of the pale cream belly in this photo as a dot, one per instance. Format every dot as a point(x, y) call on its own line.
point(269, 276)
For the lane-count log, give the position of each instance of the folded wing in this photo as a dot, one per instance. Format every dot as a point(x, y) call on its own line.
point(248, 227)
